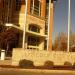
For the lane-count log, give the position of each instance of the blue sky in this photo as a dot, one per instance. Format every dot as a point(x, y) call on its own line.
point(61, 15)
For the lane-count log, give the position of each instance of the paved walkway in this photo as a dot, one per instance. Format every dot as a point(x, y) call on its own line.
point(7, 61)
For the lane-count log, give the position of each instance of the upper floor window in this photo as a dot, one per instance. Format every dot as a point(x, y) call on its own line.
point(18, 5)
point(34, 28)
point(47, 8)
point(35, 7)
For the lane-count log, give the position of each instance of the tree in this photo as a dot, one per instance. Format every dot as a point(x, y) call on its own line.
point(8, 39)
point(72, 42)
point(61, 42)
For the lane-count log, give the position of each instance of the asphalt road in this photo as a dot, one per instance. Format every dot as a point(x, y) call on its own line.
point(35, 72)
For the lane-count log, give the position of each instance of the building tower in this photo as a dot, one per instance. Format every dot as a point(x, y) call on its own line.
point(49, 21)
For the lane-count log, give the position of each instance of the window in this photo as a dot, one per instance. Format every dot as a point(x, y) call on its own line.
point(45, 45)
point(33, 41)
point(47, 8)
point(46, 23)
point(35, 7)
point(34, 28)
point(18, 5)
point(46, 28)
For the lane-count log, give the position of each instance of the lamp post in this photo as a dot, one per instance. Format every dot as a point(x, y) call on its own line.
point(24, 30)
point(68, 45)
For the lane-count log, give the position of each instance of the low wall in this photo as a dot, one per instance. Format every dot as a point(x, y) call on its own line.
point(40, 57)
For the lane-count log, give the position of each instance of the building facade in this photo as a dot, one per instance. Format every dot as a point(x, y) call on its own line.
point(12, 14)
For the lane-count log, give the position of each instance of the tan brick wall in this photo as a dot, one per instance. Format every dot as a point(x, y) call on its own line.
point(29, 4)
point(43, 8)
point(37, 21)
point(39, 57)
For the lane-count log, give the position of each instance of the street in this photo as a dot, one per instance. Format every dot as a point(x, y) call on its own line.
point(8, 71)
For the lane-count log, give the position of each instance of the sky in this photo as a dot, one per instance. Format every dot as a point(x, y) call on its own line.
point(61, 17)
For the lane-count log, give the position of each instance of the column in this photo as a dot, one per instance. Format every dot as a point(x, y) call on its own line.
point(41, 45)
point(51, 27)
point(43, 8)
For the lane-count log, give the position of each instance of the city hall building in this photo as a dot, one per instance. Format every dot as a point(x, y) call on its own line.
point(33, 21)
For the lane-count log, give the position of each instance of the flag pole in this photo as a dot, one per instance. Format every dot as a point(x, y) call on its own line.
point(48, 24)
point(24, 30)
point(68, 45)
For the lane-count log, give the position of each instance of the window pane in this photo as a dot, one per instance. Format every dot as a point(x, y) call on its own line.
point(18, 5)
point(34, 28)
point(33, 41)
point(35, 7)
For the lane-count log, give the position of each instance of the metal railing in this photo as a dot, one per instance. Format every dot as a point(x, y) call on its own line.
point(32, 48)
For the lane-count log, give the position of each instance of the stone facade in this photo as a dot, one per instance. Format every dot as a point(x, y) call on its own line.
point(40, 57)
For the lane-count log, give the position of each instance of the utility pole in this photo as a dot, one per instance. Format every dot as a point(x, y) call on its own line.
point(69, 12)
point(24, 30)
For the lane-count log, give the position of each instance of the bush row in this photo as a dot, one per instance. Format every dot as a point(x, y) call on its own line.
point(27, 63)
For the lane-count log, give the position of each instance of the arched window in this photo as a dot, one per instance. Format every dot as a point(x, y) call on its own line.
point(34, 28)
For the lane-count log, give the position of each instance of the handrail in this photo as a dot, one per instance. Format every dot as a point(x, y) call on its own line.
point(33, 47)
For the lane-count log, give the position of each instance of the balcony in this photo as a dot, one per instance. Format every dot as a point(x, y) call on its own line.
point(12, 26)
point(36, 34)
point(38, 22)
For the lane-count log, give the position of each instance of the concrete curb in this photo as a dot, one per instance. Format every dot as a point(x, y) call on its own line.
point(39, 70)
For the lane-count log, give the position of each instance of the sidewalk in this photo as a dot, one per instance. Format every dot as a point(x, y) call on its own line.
point(38, 70)
point(5, 62)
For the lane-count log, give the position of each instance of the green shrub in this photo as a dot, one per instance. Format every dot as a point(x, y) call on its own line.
point(67, 63)
point(49, 64)
point(25, 63)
